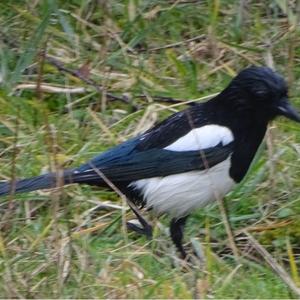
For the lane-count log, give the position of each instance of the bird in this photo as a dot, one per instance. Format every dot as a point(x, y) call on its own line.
point(187, 160)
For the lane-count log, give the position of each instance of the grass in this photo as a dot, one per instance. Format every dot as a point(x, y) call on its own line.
point(71, 244)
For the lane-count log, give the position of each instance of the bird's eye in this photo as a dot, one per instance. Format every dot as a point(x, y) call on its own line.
point(260, 93)
point(259, 90)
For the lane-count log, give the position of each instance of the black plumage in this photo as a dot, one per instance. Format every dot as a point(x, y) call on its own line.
point(253, 98)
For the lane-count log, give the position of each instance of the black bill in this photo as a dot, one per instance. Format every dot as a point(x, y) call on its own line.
point(286, 109)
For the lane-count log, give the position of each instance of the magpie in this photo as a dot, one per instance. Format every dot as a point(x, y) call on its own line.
point(189, 159)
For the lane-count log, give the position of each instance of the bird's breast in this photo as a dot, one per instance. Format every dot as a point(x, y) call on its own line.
point(180, 194)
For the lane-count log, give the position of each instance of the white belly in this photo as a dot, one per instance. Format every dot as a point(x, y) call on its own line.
point(180, 194)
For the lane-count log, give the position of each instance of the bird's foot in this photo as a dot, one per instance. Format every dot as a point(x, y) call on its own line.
point(145, 229)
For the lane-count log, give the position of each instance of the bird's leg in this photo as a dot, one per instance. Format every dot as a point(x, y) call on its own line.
point(176, 231)
point(146, 228)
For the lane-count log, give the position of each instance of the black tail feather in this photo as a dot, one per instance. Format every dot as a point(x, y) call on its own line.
point(47, 181)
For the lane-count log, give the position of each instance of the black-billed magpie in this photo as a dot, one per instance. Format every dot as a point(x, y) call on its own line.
point(189, 159)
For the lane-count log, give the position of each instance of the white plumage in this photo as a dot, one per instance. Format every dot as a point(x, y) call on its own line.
point(202, 138)
point(180, 194)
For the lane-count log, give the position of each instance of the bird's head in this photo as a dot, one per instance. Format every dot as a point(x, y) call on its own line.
point(263, 90)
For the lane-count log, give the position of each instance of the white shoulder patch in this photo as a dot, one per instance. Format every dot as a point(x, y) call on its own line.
point(201, 138)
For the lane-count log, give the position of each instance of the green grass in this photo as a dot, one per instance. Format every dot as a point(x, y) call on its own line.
point(68, 244)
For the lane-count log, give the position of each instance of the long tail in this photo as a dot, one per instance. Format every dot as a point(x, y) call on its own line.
point(50, 180)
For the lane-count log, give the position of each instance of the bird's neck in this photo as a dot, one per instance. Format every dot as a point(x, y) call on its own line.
point(227, 110)
point(248, 128)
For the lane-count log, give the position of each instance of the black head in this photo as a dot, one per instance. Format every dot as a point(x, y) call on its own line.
point(262, 90)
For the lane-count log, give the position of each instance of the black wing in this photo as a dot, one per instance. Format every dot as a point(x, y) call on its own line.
point(145, 156)
point(150, 163)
